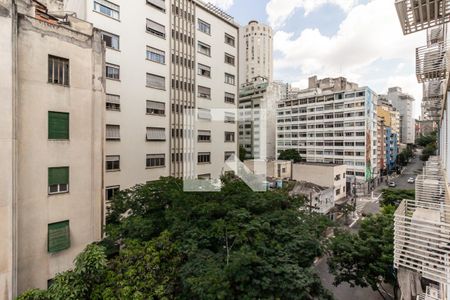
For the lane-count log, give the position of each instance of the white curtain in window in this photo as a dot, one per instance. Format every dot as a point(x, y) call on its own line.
point(112, 131)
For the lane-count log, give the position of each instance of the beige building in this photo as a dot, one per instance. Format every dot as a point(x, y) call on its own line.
point(327, 175)
point(256, 52)
point(51, 143)
point(273, 169)
point(182, 55)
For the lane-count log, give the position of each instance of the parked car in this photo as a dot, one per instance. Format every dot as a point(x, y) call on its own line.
point(392, 184)
point(411, 180)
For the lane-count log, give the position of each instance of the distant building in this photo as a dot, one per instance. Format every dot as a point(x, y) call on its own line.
point(256, 52)
point(391, 121)
point(273, 169)
point(404, 103)
point(257, 117)
point(328, 175)
point(336, 126)
point(320, 199)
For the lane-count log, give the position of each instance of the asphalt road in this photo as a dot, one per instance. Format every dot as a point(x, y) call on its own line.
point(344, 291)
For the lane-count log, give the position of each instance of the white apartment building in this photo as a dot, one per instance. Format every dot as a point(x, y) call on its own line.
point(404, 103)
point(256, 52)
point(257, 117)
point(164, 58)
point(336, 127)
point(51, 143)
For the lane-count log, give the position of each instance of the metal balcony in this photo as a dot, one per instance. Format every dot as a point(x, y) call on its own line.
point(432, 292)
point(416, 15)
point(431, 62)
point(436, 35)
point(422, 239)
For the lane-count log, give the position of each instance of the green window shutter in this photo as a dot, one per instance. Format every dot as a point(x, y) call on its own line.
point(58, 125)
point(58, 175)
point(58, 236)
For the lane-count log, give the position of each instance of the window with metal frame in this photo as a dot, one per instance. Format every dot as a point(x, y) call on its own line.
point(230, 98)
point(111, 192)
point(156, 134)
point(112, 102)
point(204, 114)
point(58, 180)
point(158, 4)
point(204, 26)
point(229, 40)
point(58, 125)
point(204, 157)
point(156, 160)
point(156, 28)
point(112, 163)
point(111, 40)
point(229, 136)
point(204, 49)
point(156, 108)
point(112, 132)
point(229, 59)
point(204, 70)
point(58, 70)
point(230, 118)
point(228, 154)
point(112, 71)
point(204, 136)
point(156, 81)
point(203, 92)
point(107, 8)
point(229, 79)
point(156, 55)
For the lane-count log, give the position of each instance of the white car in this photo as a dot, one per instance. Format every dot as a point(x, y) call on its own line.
point(392, 184)
point(411, 180)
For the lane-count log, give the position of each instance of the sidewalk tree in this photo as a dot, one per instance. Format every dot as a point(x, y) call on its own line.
point(394, 196)
point(365, 259)
point(290, 154)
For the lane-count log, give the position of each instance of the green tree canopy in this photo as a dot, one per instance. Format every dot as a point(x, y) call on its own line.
point(164, 243)
point(394, 196)
point(290, 154)
point(365, 259)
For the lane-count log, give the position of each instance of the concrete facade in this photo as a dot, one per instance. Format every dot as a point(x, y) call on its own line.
point(256, 52)
point(28, 152)
point(191, 48)
point(337, 127)
point(327, 175)
point(274, 169)
point(320, 199)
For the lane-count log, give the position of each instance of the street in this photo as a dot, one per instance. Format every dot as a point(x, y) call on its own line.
point(365, 206)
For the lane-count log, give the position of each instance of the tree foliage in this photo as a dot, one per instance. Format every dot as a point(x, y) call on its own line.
point(234, 244)
point(365, 258)
point(405, 156)
point(290, 154)
point(394, 196)
point(425, 140)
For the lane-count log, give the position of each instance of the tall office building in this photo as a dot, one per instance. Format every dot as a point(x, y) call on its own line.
point(391, 123)
point(257, 117)
point(336, 126)
point(51, 143)
point(256, 52)
point(164, 58)
point(404, 103)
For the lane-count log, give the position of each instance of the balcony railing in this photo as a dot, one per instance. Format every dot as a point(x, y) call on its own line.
point(432, 292)
point(416, 15)
point(430, 188)
point(436, 34)
point(431, 62)
point(422, 239)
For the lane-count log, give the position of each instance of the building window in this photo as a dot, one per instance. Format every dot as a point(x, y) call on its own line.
point(58, 236)
point(229, 40)
point(204, 157)
point(112, 102)
point(156, 160)
point(112, 71)
point(204, 136)
point(156, 108)
point(230, 98)
point(156, 82)
point(229, 59)
point(111, 192)
point(58, 126)
point(203, 92)
point(228, 154)
point(156, 134)
point(58, 180)
point(112, 132)
point(204, 114)
point(156, 55)
point(230, 118)
point(229, 78)
point(204, 70)
point(204, 49)
point(229, 136)
point(204, 27)
point(338, 192)
point(58, 70)
point(111, 40)
point(112, 163)
point(107, 8)
point(158, 4)
point(156, 29)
